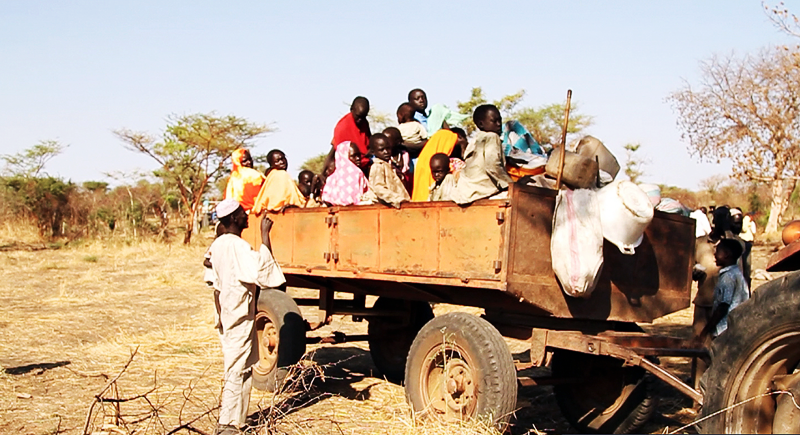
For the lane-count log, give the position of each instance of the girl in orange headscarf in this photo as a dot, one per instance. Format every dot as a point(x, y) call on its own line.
point(245, 182)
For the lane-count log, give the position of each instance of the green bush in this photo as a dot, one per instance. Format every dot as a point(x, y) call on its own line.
point(46, 199)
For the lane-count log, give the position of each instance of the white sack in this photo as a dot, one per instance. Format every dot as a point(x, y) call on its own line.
point(576, 245)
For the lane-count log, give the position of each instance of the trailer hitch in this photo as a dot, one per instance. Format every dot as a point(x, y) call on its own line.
point(598, 345)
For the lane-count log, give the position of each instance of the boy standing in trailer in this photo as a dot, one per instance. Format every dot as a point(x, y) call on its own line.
point(353, 127)
point(418, 100)
point(237, 270)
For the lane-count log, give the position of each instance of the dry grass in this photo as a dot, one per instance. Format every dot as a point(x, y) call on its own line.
point(72, 317)
point(19, 233)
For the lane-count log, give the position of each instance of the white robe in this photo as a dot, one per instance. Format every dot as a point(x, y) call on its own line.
point(236, 264)
point(484, 173)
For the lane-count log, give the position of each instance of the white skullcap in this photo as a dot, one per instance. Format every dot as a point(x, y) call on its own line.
point(735, 212)
point(226, 207)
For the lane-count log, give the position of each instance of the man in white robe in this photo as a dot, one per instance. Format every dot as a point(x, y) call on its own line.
point(238, 270)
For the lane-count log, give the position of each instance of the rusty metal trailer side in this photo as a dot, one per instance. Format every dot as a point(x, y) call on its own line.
point(493, 254)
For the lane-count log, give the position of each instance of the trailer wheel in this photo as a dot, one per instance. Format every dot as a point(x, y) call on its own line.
point(390, 338)
point(751, 362)
point(460, 368)
point(610, 398)
point(281, 334)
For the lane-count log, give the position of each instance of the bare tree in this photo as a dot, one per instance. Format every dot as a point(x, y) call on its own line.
point(784, 20)
point(746, 110)
point(192, 153)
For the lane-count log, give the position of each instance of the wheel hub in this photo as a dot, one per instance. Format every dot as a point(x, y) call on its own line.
point(460, 387)
point(450, 385)
point(787, 414)
point(267, 336)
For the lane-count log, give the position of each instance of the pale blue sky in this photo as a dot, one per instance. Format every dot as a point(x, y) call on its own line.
point(75, 71)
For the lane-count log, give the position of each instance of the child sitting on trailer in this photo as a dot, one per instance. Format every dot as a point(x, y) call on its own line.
point(484, 174)
point(457, 155)
point(444, 181)
point(306, 181)
point(384, 184)
point(401, 161)
point(347, 183)
point(279, 190)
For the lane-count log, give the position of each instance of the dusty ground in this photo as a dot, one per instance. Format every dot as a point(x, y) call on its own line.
point(72, 317)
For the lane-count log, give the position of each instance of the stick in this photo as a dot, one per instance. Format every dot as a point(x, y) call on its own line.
point(563, 140)
point(98, 397)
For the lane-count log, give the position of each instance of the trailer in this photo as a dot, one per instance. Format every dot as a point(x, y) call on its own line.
point(492, 254)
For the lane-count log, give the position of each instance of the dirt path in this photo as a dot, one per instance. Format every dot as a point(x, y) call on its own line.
point(72, 317)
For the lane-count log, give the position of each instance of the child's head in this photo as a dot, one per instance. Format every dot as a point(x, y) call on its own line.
point(405, 113)
point(354, 154)
point(487, 118)
point(360, 109)
point(380, 147)
point(330, 168)
point(395, 138)
point(305, 182)
point(277, 160)
point(737, 220)
point(440, 166)
point(418, 100)
point(720, 220)
point(728, 252)
point(461, 143)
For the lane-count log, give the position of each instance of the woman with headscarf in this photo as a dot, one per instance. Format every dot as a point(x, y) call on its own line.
point(245, 182)
point(443, 141)
point(347, 183)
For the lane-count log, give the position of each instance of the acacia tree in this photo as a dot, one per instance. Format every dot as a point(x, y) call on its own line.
point(30, 161)
point(192, 152)
point(544, 122)
point(634, 165)
point(32, 191)
point(746, 110)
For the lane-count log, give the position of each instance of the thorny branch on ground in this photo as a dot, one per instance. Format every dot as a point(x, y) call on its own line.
point(146, 413)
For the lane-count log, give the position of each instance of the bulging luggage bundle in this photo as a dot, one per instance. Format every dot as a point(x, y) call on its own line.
point(625, 212)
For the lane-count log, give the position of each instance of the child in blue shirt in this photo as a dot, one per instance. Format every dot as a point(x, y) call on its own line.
point(731, 289)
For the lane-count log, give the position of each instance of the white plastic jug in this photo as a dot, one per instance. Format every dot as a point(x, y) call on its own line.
point(625, 212)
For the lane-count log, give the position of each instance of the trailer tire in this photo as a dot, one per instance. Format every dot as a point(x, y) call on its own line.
point(762, 341)
point(460, 368)
point(281, 335)
point(615, 399)
point(390, 338)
